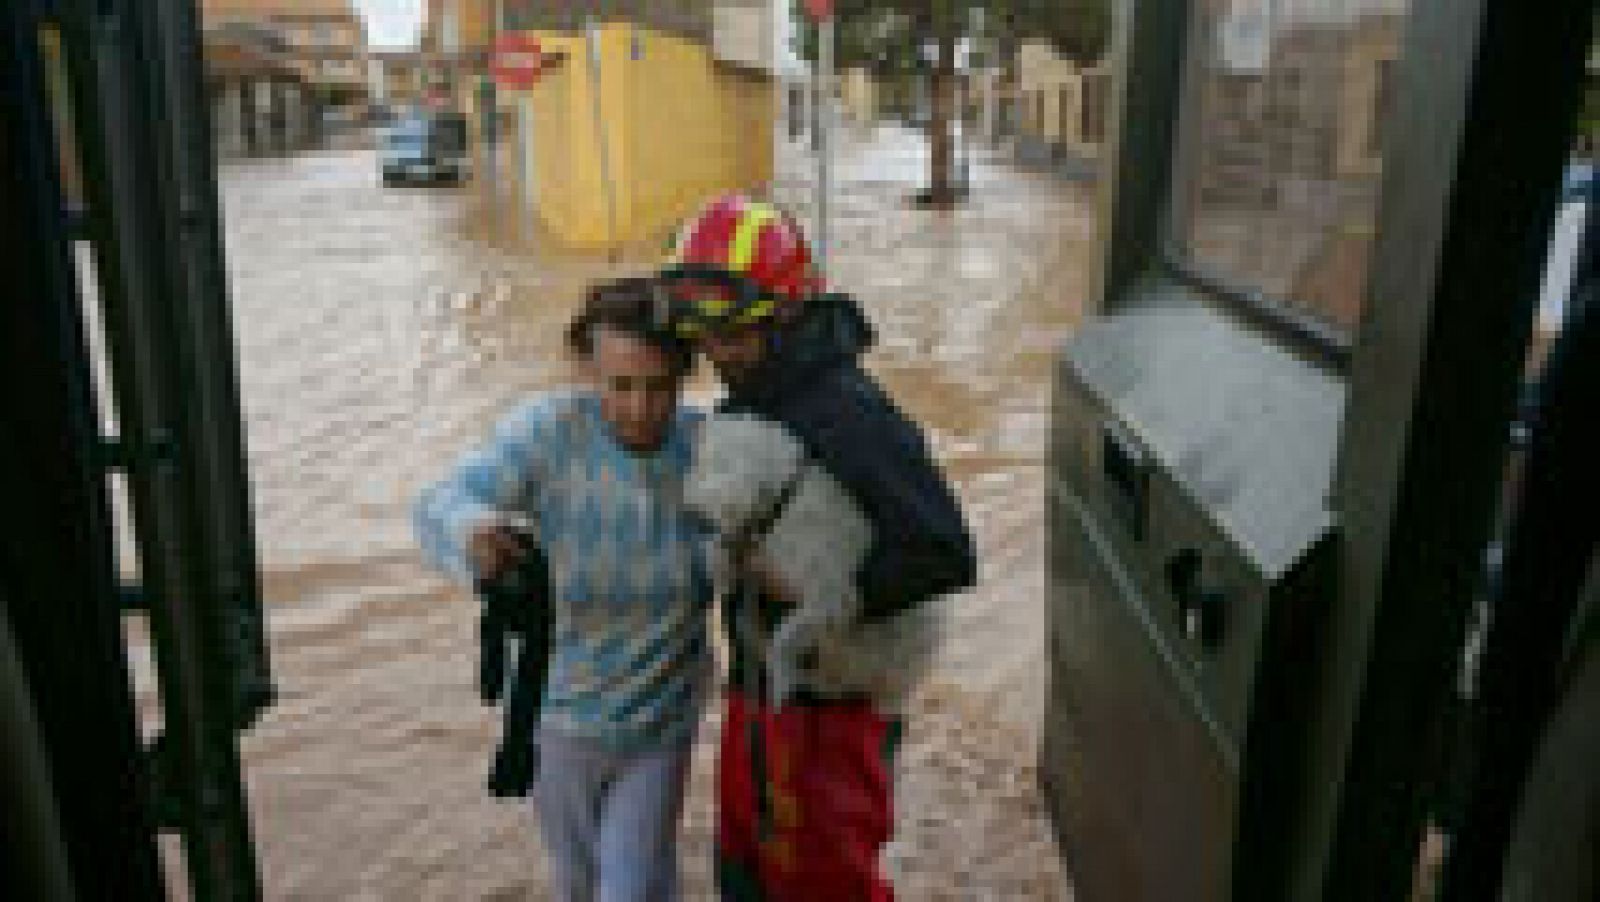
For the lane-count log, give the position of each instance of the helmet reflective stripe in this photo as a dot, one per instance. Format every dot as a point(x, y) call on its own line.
point(759, 310)
point(713, 303)
point(742, 250)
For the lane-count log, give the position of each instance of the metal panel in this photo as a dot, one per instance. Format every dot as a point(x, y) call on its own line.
point(1159, 723)
point(1245, 428)
point(34, 853)
point(1145, 103)
point(1538, 616)
point(1485, 93)
point(146, 144)
point(56, 569)
point(223, 487)
point(1550, 842)
point(1140, 783)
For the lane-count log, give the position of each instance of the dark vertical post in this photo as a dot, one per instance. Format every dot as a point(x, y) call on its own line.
point(154, 227)
point(1148, 46)
point(33, 852)
point(1549, 554)
point(1479, 133)
point(56, 569)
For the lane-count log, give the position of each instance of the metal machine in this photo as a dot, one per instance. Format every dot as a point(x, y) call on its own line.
point(1265, 524)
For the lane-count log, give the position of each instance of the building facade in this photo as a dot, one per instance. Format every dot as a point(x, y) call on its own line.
point(276, 67)
point(261, 103)
point(652, 107)
point(1056, 109)
point(324, 40)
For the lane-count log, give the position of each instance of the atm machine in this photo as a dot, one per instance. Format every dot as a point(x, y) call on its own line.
point(1277, 439)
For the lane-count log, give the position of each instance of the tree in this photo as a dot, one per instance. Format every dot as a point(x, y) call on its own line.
point(888, 37)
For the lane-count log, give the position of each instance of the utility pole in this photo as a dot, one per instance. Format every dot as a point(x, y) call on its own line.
point(602, 142)
point(822, 108)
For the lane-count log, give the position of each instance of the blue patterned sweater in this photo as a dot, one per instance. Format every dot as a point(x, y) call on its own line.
point(631, 663)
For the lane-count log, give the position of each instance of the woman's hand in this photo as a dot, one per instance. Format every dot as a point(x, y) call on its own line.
point(493, 549)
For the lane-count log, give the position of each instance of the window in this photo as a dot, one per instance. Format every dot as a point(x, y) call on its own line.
point(1266, 205)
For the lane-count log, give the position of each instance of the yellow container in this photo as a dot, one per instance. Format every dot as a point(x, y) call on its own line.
point(679, 127)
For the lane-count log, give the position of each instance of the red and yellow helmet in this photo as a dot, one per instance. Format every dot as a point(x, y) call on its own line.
point(738, 262)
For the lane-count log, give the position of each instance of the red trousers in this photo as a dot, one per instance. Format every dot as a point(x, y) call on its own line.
point(804, 801)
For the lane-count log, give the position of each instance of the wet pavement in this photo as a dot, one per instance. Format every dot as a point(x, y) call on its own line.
point(380, 331)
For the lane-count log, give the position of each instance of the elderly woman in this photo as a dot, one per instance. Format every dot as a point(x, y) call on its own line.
point(595, 474)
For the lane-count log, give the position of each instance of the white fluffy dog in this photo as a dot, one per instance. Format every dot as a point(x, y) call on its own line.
point(752, 482)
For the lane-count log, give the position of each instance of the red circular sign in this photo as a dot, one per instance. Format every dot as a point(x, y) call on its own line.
point(819, 9)
point(518, 61)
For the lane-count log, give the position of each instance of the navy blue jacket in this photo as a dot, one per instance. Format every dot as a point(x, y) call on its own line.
point(812, 382)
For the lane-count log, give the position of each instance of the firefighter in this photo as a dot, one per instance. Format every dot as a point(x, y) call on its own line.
point(805, 792)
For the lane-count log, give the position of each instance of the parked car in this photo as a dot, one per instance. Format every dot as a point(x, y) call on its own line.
point(427, 148)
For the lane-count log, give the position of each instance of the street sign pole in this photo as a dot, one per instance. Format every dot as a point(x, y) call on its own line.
point(486, 132)
point(524, 149)
point(518, 196)
point(822, 86)
point(602, 144)
point(497, 204)
point(518, 62)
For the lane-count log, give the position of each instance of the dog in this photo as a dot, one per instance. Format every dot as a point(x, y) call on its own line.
point(753, 484)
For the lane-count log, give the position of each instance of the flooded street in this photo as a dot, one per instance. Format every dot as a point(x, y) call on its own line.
point(381, 331)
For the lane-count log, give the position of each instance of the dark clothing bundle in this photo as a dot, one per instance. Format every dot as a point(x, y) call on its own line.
point(514, 637)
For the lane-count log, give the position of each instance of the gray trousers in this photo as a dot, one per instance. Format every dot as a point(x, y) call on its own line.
point(609, 820)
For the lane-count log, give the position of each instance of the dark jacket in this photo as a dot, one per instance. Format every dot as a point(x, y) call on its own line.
point(514, 644)
point(812, 382)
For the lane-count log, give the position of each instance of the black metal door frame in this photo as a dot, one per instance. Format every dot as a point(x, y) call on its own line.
point(153, 226)
point(1480, 130)
point(1536, 635)
point(33, 851)
point(56, 571)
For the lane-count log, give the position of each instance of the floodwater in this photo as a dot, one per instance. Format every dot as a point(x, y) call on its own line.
point(381, 331)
